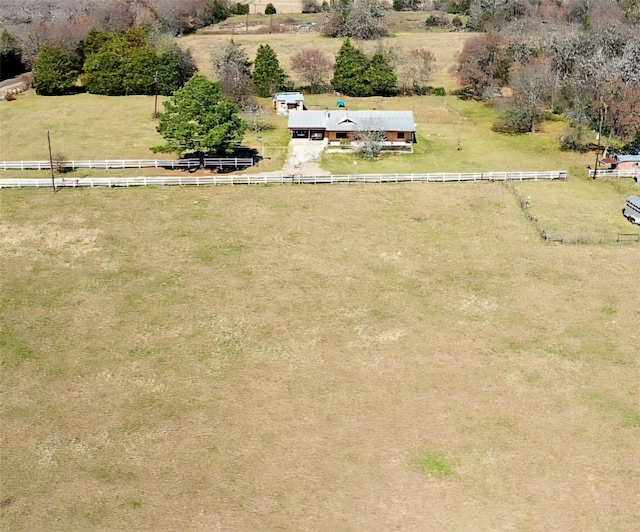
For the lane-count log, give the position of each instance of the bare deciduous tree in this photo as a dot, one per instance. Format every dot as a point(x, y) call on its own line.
point(630, 62)
point(255, 115)
point(416, 67)
point(232, 67)
point(369, 19)
point(484, 61)
point(532, 85)
point(313, 66)
point(370, 138)
point(360, 19)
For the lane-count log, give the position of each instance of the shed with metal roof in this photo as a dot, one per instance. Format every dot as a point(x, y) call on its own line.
point(626, 162)
point(283, 102)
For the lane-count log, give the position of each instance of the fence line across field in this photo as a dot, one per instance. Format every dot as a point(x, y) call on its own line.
point(635, 173)
point(208, 162)
point(257, 179)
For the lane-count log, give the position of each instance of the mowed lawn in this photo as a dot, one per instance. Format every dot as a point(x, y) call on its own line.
point(383, 357)
point(83, 126)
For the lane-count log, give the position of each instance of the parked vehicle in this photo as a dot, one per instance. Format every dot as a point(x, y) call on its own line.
point(631, 210)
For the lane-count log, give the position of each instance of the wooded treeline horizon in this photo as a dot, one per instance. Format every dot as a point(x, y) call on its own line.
point(578, 58)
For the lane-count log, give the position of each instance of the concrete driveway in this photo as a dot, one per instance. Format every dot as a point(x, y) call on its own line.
point(304, 157)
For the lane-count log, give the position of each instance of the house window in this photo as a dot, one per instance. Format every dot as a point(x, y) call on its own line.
point(400, 134)
point(341, 135)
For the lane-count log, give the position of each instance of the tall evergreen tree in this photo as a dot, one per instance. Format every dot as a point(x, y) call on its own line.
point(199, 119)
point(218, 11)
point(381, 76)
point(130, 62)
point(268, 76)
point(350, 72)
point(174, 69)
point(139, 70)
point(108, 59)
point(174, 66)
point(11, 63)
point(54, 72)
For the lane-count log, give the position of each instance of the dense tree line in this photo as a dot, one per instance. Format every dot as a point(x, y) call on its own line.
point(353, 73)
point(66, 23)
point(360, 19)
point(577, 57)
point(135, 61)
point(177, 16)
point(591, 75)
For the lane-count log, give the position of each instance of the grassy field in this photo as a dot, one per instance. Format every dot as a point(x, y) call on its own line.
point(86, 126)
point(384, 357)
point(453, 136)
point(83, 126)
point(445, 47)
point(312, 358)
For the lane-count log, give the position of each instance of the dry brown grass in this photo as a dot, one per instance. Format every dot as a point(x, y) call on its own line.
point(312, 358)
point(445, 47)
point(282, 6)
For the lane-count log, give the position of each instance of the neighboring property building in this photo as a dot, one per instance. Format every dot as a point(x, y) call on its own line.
point(626, 162)
point(342, 127)
point(283, 102)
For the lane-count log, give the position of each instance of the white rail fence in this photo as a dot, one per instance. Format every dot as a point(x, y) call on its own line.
point(258, 179)
point(221, 162)
point(634, 173)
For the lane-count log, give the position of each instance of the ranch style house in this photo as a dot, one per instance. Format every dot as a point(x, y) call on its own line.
point(341, 127)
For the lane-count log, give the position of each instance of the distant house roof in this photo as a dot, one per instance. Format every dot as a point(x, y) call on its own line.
point(629, 158)
point(342, 120)
point(289, 97)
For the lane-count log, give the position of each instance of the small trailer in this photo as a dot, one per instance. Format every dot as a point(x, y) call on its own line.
point(631, 210)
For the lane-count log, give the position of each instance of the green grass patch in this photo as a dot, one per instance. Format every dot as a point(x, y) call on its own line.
point(625, 413)
point(213, 253)
point(84, 126)
point(432, 464)
point(580, 210)
point(455, 136)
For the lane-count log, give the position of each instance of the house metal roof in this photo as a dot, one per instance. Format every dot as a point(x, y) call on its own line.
point(343, 120)
point(629, 158)
point(289, 97)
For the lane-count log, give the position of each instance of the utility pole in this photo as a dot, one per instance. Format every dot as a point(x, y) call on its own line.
point(261, 139)
point(603, 110)
point(53, 179)
point(155, 105)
